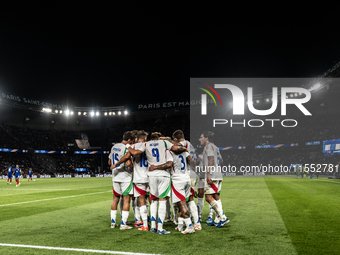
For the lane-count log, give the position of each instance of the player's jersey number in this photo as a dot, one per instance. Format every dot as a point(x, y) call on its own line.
point(115, 158)
point(182, 162)
point(155, 153)
point(143, 161)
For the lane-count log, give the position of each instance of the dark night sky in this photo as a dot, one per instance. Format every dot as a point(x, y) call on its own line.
point(101, 55)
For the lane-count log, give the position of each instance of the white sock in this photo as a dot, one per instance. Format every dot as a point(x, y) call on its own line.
point(200, 204)
point(125, 216)
point(180, 222)
point(214, 204)
point(211, 211)
point(217, 218)
point(113, 216)
point(144, 214)
point(161, 214)
point(153, 211)
point(137, 210)
point(220, 204)
point(188, 223)
point(193, 211)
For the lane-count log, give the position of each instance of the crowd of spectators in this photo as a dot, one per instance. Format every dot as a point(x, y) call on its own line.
point(313, 128)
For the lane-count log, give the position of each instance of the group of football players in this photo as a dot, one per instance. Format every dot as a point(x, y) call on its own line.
point(164, 168)
point(17, 174)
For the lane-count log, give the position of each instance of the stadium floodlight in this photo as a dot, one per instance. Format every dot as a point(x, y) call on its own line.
point(126, 112)
point(291, 95)
point(267, 100)
point(67, 112)
point(56, 111)
point(92, 113)
point(119, 113)
point(60, 111)
point(110, 113)
point(257, 101)
point(47, 110)
point(71, 112)
point(97, 113)
point(315, 87)
point(79, 113)
point(105, 113)
point(114, 113)
point(296, 94)
point(85, 113)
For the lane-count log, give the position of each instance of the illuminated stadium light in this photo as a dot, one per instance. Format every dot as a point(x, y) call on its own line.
point(47, 110)
point(291, 95)
point(92, 114)
point(113, 113)
point(296, 94)
point(97, 113)
point(71, 112)
point(79, 113)
point(110, 113)
point(119, 113)
point(67, 112)
point(85, 113)
point(257, 101)
point(105, 113)
point(56, 111)
point(267, 100)
point(315, 87)
point(126, 112)
point(60, 111)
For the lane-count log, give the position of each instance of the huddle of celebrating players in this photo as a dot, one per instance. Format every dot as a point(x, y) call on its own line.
point(162, 168)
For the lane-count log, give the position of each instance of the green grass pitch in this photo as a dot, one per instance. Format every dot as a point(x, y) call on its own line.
point(268, 215)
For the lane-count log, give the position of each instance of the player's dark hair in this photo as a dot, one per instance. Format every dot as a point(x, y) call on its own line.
point(142, 134)
point(128, 135)
point(178, 134)
point(134, 133)
point(155, 135)
point(209, 135)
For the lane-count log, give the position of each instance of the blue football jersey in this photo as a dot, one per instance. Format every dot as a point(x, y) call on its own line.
point(17, 171)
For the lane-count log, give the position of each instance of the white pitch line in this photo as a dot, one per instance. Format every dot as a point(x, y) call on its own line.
point(47, 199)
point(72, 249)
point(326, 181)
